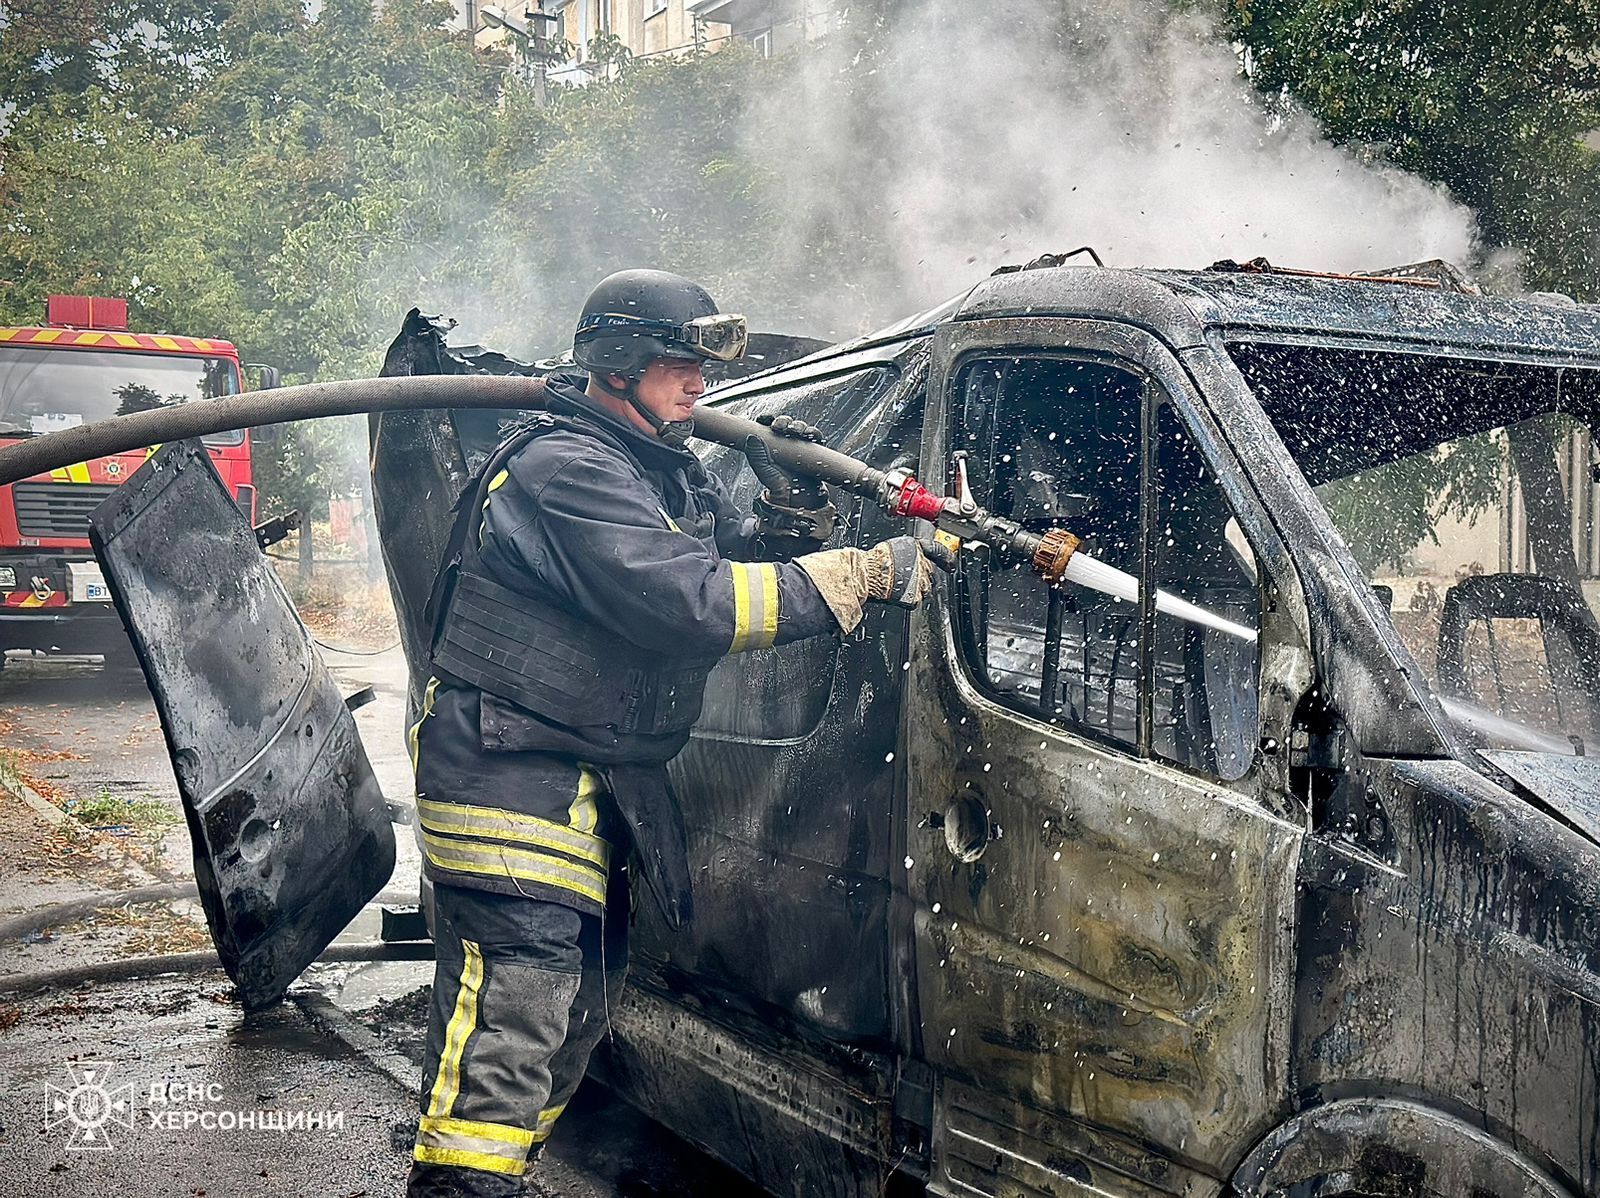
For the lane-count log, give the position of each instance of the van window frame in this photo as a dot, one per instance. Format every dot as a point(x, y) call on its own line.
point(1140, 353)
point(973, 656)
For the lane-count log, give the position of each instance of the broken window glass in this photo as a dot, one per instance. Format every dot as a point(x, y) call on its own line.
point(1050, 443)
point(1204, 713)
point(1466, 490)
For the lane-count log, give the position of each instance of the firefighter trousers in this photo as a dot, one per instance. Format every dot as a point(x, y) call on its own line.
point(521, 995)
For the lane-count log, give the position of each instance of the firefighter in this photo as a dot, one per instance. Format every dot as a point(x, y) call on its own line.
point(591, 581)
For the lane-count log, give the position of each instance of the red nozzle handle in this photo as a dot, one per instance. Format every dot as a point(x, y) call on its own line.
point(917, 502)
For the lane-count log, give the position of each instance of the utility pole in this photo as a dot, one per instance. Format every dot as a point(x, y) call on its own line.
point(541, 50)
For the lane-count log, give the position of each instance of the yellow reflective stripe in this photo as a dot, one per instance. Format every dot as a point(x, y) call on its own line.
point(503, 861)
point(89, 338)
point(755, 605)
point(47, 335)
point(471, 1141)
point(415, 735)
point(741, 607)
point(166, 343)
point(463, 1020)
point(462, 1159)
point(464, 819)
point(671, 523)
point(438, 1127)
point(127, 341)
point(547, 1123)
point(78, 473)
point(495, 484)
point(769, 606)
point(583, 814)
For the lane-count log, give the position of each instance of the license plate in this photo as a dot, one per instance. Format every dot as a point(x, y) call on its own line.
point(88, 584)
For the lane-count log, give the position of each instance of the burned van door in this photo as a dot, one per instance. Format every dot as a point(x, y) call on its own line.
point(1103, 902)
point(291, 837)
point(786, 787)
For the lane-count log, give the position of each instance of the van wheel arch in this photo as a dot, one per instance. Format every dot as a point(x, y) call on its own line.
point(1386, 1148)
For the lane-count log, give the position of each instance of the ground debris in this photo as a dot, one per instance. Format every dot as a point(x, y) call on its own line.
point(401, 1022)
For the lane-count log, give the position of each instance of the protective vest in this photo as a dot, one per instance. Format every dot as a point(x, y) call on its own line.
point(536, 654)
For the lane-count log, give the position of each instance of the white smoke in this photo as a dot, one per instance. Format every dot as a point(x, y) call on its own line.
point(882, 173)
point(977, 135)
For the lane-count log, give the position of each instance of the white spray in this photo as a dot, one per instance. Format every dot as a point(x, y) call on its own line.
point(1097, 576)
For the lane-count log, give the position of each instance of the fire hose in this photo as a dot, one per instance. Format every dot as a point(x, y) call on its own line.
point(897, 491)
point(1052, 555)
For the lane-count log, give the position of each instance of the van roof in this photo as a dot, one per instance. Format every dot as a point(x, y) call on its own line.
point(1181, 306)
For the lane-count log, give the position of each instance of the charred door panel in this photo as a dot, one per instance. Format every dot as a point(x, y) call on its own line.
point(1103, 924)
point(291, 837)
point(787, 792)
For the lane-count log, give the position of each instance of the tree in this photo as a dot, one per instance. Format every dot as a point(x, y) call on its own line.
point(1498, 102)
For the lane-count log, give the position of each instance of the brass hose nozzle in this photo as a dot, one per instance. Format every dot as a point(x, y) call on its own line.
point(1054, 551)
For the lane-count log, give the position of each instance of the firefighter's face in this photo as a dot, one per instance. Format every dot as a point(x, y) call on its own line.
point(670, 387)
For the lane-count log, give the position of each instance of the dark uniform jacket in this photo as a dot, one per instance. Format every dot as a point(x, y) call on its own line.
point(595, 520)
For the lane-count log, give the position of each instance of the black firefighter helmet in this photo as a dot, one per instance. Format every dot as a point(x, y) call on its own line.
point(635, 317)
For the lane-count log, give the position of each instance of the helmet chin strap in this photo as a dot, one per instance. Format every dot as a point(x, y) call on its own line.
point(671, 432)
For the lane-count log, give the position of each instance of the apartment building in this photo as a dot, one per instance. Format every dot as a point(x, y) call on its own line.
point(645, 28)
point(771, 26)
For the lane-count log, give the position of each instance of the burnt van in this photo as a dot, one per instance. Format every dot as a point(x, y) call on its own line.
point(1043, 890)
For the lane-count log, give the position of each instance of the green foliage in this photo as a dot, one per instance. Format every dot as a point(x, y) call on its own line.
point(107, 810)
point(606, 50)
point(1499, 102)
point(1386, 513)
point(230, 168)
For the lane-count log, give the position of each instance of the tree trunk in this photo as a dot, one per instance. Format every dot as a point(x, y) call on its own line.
point(1533, 452)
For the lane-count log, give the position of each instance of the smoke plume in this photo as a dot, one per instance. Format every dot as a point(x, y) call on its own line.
point(883, 169)
point(967, 136)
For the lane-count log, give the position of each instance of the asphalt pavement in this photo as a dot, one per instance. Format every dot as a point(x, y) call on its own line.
point(166, 1087)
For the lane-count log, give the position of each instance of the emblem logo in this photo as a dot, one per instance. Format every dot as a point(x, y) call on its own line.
point(88, 1106)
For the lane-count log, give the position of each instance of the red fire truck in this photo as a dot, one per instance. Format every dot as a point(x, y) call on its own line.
point(81, 365)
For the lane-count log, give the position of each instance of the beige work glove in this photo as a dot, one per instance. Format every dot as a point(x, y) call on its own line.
point(894, 571)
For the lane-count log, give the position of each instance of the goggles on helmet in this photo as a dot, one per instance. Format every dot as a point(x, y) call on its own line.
point(724, 336)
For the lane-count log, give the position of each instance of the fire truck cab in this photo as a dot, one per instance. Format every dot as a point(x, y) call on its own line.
point(83, 365)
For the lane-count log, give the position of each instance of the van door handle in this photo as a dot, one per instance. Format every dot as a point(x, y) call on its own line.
point(966, 825)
